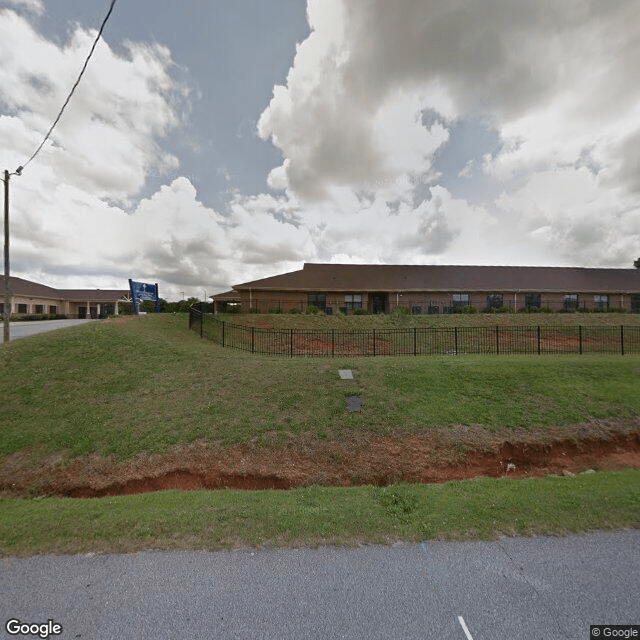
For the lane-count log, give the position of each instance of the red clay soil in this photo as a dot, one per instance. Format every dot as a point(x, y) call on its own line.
point(459, 453)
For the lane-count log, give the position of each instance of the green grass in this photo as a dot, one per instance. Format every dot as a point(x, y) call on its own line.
point(149, 384)
point(472, 509)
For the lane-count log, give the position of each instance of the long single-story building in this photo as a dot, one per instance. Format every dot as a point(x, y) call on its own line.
point(436, 289)
point(33, 299)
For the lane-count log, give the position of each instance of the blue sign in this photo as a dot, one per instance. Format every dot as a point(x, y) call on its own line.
point(144, 291)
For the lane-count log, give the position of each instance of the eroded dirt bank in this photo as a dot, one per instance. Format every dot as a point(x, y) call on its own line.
point(452, 454)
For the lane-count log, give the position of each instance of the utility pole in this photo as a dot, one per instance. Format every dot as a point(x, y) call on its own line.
point(7, 293)
point(7, 296)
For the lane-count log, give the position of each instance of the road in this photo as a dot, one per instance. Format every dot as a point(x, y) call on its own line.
point(512, 589)
point(31, 328)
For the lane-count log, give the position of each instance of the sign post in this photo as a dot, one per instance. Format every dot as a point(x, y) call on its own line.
point(143, 291)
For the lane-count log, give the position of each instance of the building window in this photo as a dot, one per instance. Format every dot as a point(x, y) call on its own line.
point(532, 300)
point(22, 308)
point(53, 309)
point(460, 300)
point(601, 303)
point(570, 302)
point(318, 300)
point(494, 301)
point(353, 301)
point(39, 308)
point(635, 303)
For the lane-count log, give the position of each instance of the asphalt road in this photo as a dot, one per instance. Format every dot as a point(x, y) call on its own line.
point(512, 589)
point(31, 328)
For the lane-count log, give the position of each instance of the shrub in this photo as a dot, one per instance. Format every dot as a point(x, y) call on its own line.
point(400, 311)
point(233, 308)
point(501, 309)
point(295, 310)
point(360, 312)
point(312, 309)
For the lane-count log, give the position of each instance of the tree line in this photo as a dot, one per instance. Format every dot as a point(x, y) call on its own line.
point(182, 306)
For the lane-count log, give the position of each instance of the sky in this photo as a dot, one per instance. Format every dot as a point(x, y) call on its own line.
point(210, 142)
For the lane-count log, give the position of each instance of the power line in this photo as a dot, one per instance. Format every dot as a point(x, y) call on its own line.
point(77, 82)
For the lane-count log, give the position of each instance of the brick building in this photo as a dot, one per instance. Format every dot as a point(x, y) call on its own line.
point(437, 289)
point(33, 299)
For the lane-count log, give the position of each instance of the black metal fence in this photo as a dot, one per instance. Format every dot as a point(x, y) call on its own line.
point(418, 341)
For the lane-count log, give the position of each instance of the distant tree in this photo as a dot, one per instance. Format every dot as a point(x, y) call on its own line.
point(149, 306)
point(636, 264)
point(190, 302)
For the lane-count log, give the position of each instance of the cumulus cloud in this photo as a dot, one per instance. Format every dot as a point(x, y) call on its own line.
point(376, 96)
point(106, 140)
point(35, 6)
point(557, 81)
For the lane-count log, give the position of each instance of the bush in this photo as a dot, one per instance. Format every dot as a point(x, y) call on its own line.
point(400, 311)
point(501, 309)
point(535, 310)
point(468, 309)
point(361, 312)
point(295, 310)
point(312, 309)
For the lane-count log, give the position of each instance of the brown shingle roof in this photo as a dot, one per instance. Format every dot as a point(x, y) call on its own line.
point(19, 286)
point(228, 296)
point(94, 295)
point(391, 278)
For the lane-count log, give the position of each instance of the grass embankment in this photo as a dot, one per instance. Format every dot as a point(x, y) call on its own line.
point(148, 384)
point(472, 509)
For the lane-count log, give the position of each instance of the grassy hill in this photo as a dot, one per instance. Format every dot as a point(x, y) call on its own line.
point(89, 399)
point(147, 384)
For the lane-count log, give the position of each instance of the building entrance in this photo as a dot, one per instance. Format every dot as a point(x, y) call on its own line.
point(378, 302)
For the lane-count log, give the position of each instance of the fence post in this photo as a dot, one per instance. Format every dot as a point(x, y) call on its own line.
point(497, 340)
point(539, 351)
point(201, 323)
point(223, 333)
point(580, 337)
point(291, 343)
point(415, 347)
point(621, 339)
point(333, 342)
point(455, 340)
point(253, 339)
point(374, 342)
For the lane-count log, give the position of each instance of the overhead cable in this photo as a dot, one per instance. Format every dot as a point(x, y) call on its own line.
point(77, 82)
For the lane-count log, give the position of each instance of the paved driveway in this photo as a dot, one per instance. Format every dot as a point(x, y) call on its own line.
point(28, 328)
